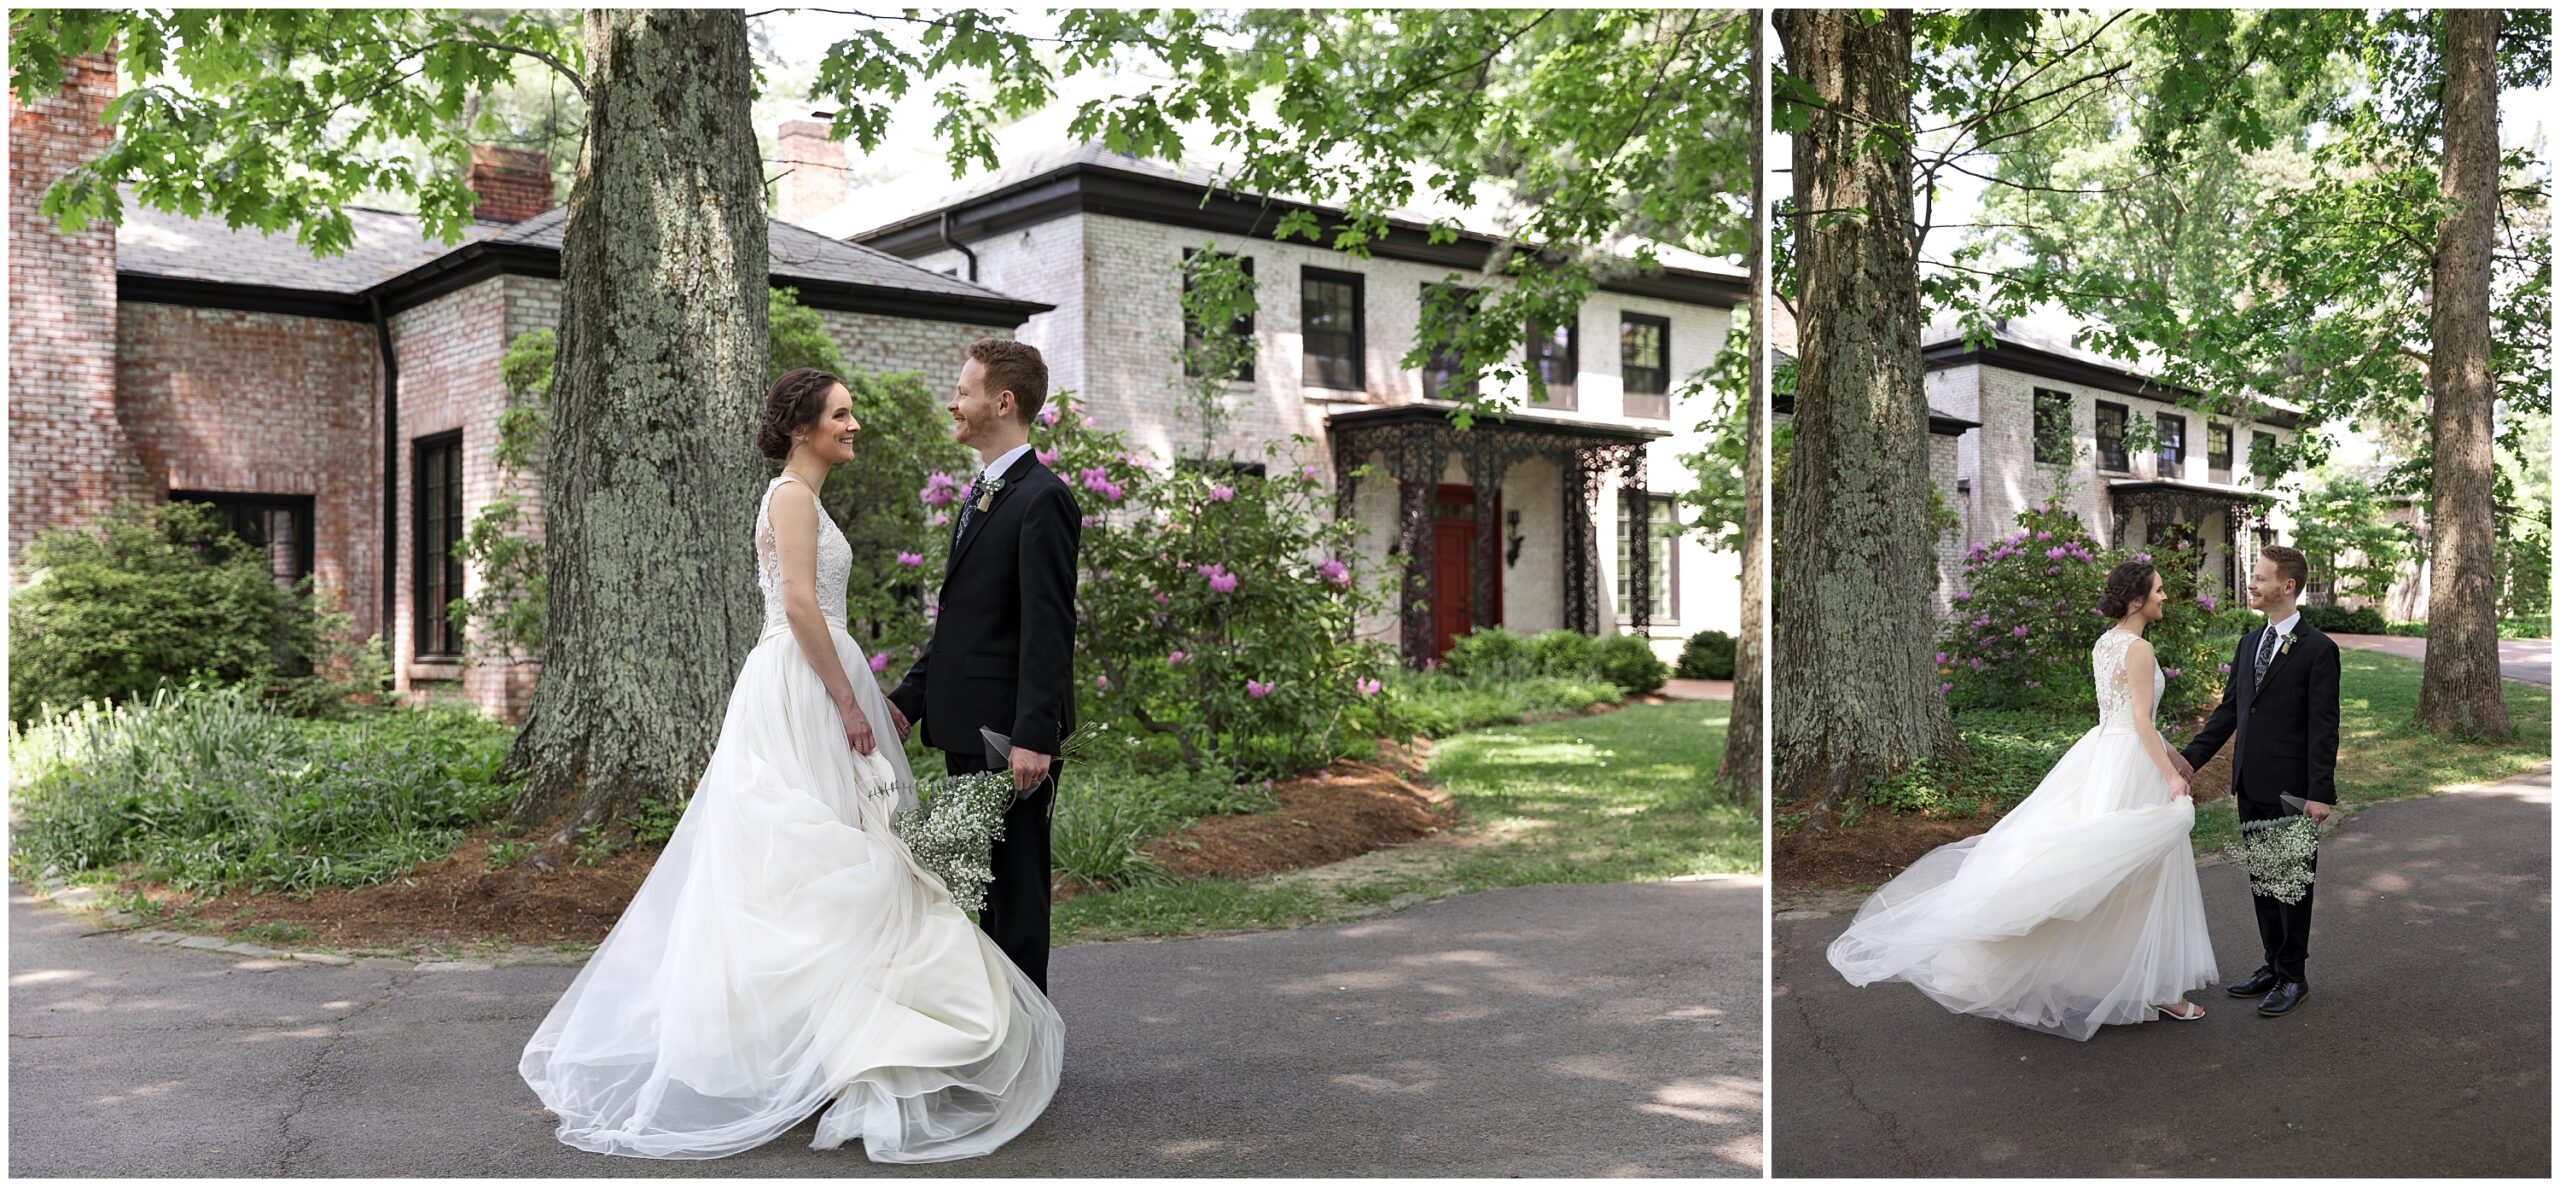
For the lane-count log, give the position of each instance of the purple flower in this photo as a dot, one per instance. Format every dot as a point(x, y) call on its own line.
point(1963, 597)
point(1138, 460)
point(2226, 668)
point(2020, 632)
point(1336, 572)
point(911, 559)
point(1177, 657)
point(879, 662)
point(940, 490)
point(1222, 494)
point(1257, 689)
point(1161, 599)
point(1087, 521)
point(2043, 535)
point(1942, 657)
point(2205, 601)
point(2145, 558)
point(1048, 457)
point(2172, 673)
point(1048, 416)
point(1368, 687)
point(940, 518)
point(1223, 583)
point(2055, 554)
point(1944, 688)
point(1307, 472)
point(1101, 682)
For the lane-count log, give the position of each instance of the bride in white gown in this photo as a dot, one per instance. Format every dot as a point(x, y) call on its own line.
point(786, 949)
point(2080, 908)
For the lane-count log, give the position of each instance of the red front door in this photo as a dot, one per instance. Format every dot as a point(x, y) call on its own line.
point(1453, 530)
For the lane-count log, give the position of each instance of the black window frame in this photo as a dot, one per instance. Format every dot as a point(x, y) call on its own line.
point(2171, 456)
point(1442, 365)
point(430, 598)
point(2052, 449)
point(1651, 402)
point(2112, 457)
point(245, 513)
point(2217, 460)
point(1665, 610)
point(1244, 321)
point(1540, 359)
point(1310, 362)
point(2262, 446)
point(1219, 467)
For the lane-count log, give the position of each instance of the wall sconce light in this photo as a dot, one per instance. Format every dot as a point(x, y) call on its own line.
point(1511, 557)
point(1964, 486)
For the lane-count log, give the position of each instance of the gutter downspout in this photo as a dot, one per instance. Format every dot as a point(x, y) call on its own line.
point(390, 469)
point(956, 245)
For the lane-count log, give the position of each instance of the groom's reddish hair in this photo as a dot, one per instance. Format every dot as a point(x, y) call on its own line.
point(1015, 367)
point(2290, 565)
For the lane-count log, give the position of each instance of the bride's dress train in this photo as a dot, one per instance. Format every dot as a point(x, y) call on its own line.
point(786, 950)
point(2079, 909)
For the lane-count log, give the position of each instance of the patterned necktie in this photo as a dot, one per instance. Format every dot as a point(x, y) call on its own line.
point(2266, 652)
point(969, 507)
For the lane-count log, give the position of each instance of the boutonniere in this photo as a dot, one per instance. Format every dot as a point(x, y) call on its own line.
point(2286, 647)
point(987, 500)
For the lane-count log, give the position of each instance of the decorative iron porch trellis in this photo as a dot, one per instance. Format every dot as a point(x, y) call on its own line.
point(2167, 500)
point(1417, 442)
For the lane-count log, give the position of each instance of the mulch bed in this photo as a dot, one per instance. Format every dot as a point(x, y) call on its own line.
point(1346, 810)
point(1879, 845)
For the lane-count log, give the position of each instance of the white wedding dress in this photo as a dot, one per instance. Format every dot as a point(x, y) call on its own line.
point(786, 949)
point(2078, 910)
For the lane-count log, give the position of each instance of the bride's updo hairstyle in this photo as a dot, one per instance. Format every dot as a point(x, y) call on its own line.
point(797, 400)
point(2127, 585)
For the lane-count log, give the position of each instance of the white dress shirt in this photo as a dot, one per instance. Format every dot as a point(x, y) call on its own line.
point(1003, 462)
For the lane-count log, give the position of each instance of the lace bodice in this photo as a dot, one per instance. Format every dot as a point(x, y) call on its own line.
point(835, 563)
point(2115, 686)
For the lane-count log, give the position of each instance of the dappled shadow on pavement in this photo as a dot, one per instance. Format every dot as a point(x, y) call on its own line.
point(2423, 1050)
point(1542, 1031)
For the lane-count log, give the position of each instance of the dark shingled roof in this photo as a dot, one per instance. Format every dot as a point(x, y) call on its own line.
point(389, 245)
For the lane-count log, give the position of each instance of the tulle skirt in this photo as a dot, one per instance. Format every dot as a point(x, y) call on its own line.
point(2078, 910)
point(785, 951)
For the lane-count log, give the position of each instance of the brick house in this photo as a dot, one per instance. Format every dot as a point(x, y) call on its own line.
point(342, 411)
point(1530, 523)
point(2049, 418)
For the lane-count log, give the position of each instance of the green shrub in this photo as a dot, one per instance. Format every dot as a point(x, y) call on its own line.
point(1628, 661)
point(1708, 655)
point(205, 788)
point(2524, 628)
point(143, 599)
point(2005, 754)
point(1564, 653)
point(1436, 704)
point(2418, 630)
point(1488, 651)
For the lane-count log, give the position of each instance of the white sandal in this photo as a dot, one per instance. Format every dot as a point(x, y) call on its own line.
point(2166, 1011)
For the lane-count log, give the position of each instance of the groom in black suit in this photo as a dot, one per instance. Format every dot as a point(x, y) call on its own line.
point(2282, 703)
point(1002, 655)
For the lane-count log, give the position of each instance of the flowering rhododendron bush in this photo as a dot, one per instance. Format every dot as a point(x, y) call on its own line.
point(1214, 607)
point(2019, 635)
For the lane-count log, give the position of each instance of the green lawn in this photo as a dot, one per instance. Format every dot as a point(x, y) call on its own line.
point(1620, 797)
point(2382, 757)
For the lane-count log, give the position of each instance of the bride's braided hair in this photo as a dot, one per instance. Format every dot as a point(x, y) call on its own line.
point(797, 400)
point(2127, 585)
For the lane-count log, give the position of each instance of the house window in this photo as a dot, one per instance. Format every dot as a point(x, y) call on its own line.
point(2111, 438)
point(1192, 343)
point(2053, 426)
point(1551, 355)
point(2262, 458)
point(436, 578)
point(1332, 329)
point(2173, 444)
point(278, 524)
point(2217, 451)
point(1644, 364)
point(1663, 524)
point(1438, 376)
point(1218, 467)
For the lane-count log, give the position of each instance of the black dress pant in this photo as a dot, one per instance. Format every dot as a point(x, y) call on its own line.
point(1016, 916)
point(2284, 929)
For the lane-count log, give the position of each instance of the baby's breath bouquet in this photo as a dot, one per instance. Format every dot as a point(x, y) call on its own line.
point(2277, 853)
point(957, 820)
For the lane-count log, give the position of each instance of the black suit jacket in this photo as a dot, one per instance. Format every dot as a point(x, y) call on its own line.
point(2284, 735)
point(1002, 654)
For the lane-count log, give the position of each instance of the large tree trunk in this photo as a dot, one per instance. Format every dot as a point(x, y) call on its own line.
point(651, 484)
point(1856, 621)
point(1738, 773)
point(2462, 692)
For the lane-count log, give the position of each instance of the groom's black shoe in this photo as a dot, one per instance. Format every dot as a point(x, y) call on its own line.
point(2257, 985)
point(2281, 1000)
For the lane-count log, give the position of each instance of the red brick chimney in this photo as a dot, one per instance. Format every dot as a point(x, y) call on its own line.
point(514, 184)
point(813, 171)
point(69, 457)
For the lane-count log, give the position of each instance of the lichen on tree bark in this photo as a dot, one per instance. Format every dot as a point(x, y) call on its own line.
point(1855, 693)
point(651, 479)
